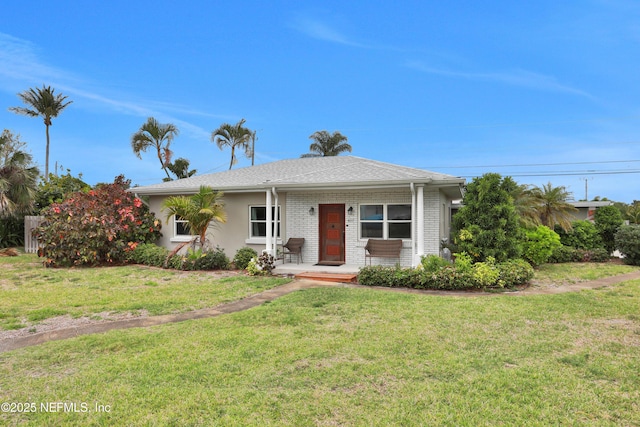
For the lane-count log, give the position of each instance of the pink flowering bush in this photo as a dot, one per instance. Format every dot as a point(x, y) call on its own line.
point(97, 227)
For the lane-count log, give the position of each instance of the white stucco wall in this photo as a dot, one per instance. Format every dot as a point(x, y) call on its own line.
point(232, 235)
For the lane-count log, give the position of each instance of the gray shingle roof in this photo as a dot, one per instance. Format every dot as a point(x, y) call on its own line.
point(301, 173)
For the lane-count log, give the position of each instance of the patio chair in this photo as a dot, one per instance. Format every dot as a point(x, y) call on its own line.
point(293, 247)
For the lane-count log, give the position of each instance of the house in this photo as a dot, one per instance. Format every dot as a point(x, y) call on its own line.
point(586, 210)
point(335, 203)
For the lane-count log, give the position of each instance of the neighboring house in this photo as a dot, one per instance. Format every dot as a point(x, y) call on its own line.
point(587, 210)
point(335, 203)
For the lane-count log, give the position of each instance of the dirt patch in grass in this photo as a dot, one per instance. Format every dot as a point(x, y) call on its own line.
point(67, 322)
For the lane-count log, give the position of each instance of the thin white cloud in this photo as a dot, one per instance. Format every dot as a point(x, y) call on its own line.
point(516, 77)
point(19, 59)
point(321, 31)
point(22, 66)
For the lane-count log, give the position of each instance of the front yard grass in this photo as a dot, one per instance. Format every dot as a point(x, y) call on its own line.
point(569, 273)
point(30, 293)
point(339, 356)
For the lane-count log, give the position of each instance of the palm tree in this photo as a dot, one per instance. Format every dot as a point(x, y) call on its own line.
point(18, 177)
point(46, 104)
point(552, 207)
point(526, 205)
point(199, 210)
point(327, 144)
point(234, 136)
point(154, 134)
point(180, 168)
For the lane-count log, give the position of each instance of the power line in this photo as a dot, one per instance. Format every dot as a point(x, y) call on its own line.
point(533, 164)
point(566, 173)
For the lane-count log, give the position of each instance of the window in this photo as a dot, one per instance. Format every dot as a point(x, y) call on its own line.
point(180, 226)
point(385, 221)
point(258, 221)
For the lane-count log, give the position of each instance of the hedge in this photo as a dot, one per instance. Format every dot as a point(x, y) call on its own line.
point(507, 274)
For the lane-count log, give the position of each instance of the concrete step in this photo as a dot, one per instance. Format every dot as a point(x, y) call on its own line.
point(328, 277)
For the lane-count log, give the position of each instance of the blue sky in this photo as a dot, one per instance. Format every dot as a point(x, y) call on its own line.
point(543, 91)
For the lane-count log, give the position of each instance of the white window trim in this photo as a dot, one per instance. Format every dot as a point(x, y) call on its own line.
point(259, 239)
point(385, 222)
point(179, 238)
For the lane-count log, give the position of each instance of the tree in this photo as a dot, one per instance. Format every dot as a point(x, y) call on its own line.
point(608, 220)
point(18, 176)
point(526, 206)
point(551, 206)
point(236, 137)
point(46, 104)
point(155, 135)
point(199, 210)
point(56, 189)
point(180, 168)
point(628, 243)
point(100, 226)
point(487, 225)
point(326, 144)
point(631, 212)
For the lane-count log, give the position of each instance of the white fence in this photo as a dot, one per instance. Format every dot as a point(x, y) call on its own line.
point(30, 241)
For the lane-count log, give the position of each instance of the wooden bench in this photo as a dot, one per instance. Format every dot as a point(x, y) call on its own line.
point(382, 249)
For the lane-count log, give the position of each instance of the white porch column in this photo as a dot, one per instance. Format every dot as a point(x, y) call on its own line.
point(275, 223)
point(419, 223)
point(269, 233)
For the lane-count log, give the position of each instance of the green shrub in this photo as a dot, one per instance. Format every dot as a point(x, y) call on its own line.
point(485, 274)
point(449, 277)
point(514, 273)
point(540, 244)
point(175, 262)
point(205, 260)
point(243, 256)
point(568, 254)
point(583, 235)
point(564, 254)
point(463, 262)
point(433, 263)
point(148, 254)
point(596, 255)
point(628, 243)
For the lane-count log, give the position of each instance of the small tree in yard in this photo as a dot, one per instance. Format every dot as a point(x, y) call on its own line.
point(539, 245)
point(199, 210)
point(97, 227)
point(608, 220)
point(488, 225)
point(628, 243)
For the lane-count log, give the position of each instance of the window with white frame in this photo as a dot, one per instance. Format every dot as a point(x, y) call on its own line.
point(258, 222)
point(385, 221)
point(180, 227)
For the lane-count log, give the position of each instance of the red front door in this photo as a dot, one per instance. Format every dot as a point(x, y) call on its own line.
point(332, 234)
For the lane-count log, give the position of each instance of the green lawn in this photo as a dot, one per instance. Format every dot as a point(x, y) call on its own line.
point(337, 356)
point(30, 293)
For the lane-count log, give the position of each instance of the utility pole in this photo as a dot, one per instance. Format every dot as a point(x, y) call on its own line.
point(586, 189)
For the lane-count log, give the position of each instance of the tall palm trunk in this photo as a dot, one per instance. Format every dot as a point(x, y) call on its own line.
point(46, 160)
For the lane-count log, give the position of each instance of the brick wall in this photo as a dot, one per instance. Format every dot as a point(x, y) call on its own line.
point(301, 224)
